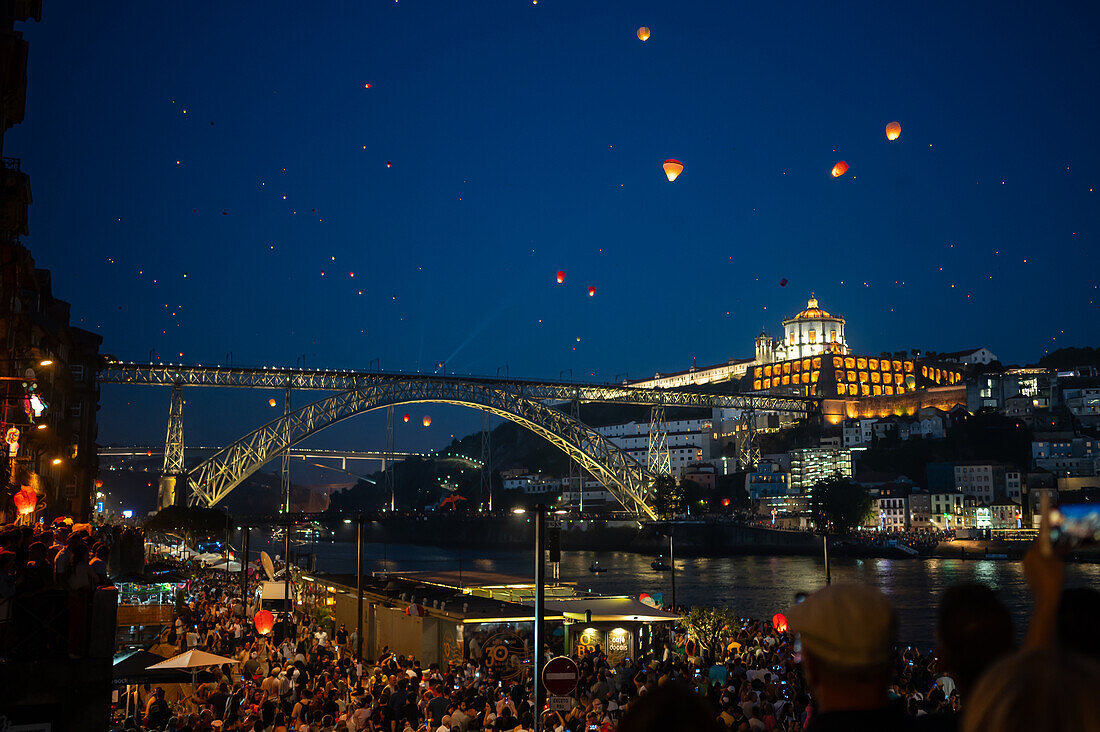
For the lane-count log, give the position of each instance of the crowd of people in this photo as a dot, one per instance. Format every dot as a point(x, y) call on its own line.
point(837, 667)
point(47, 577)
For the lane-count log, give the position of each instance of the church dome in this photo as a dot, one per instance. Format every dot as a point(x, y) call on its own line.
point(813, 312)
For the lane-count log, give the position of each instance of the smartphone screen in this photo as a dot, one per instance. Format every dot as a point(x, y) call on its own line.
point(1075, 524)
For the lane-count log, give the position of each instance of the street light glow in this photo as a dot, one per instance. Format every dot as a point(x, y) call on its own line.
point(45, 362)
point(56, 461)
point(518, 511)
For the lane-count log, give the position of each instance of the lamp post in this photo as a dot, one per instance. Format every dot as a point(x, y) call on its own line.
point(540, 599)
point(359, 586)
point(245, 529)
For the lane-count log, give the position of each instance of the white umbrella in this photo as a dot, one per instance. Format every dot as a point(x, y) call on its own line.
point(233, 565)
point(193, 661)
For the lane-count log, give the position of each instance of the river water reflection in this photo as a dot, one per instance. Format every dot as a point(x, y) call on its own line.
point(753, 586)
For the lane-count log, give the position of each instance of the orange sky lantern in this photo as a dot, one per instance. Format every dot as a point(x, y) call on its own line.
point(561, 277)
point(427, 421)
point(779, 622)
point(643, 34)
point(271, 402)
point(25, 501)
point(264, 621)
point(406, 418)
point(673, 168)
point(591, 291)
point(840, 169)
point(893, 131)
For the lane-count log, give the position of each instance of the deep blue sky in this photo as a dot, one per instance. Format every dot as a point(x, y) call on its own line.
point(529, 138)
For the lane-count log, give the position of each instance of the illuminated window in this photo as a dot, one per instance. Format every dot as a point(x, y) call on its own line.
point(888, 390)
point(787, 367)
point(814, 375)
point(839, 376)
point(876, 377)
point(898, 379)
point(796, 365)
point(767, 383)
point(865, 389)
point(813, 336)
point(849, 363)
point(759, 372)
point(806, 377)
point(806, 364)
point(924, 371)
point(756, 384)
point(817, 362)
point(863, 377)
point(851, 376)
point(873, 364)
point(792, 338)
point(768, 370)
point(908, 367)
point(897, 365)
point(832, 336)
point(901, 390)
point(877, 390)
point(786, 380)
point(861, 363)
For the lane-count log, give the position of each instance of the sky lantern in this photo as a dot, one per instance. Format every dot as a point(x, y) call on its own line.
point(561, 276)
point(643, 34)
point(673, 168)
point(264, 621)
point(840, 169)
point(783, 282)
point(779, 622)
point(725, 502)
point(389, 164)
point(271, 402)
point(893, 130)
point(591, 290)
point(427, 421)
point(25, 501)
point(406, 418)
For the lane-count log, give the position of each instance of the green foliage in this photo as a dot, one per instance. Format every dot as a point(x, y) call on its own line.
point(323, 616)
point(838, 505)
point(694, 497)
point(668, 497)
point(708, 626)
point(1068, 358)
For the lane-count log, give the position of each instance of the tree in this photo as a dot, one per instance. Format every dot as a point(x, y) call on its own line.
point(838, 505)
point(708, 626)
point(694, 496)
point(668, 497)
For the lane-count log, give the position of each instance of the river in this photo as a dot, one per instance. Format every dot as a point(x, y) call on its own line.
point(754, 587)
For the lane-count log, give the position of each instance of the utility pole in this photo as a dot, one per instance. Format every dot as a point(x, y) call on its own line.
point(245, 530)
point(359, 586)
point(540, 601)
point(672, 564)
point(286, 505)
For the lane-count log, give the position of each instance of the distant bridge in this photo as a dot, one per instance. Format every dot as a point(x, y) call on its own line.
point(525, 402)
point(295, 452)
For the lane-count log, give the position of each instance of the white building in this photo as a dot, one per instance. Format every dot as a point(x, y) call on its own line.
point(970, 355)
point(813, 332)
point(947, 509)
point(893, 511)
point(690, 441)
point(813, 465)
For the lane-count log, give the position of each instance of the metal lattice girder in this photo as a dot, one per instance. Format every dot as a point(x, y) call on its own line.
point(173, 443)
point(622, 475)
point(748, 450)
point(658, 459)
point(122, 373)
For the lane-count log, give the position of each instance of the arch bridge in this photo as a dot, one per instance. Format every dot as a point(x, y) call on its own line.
point(528, 403)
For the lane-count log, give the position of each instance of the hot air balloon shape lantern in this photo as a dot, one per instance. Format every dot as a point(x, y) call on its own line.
point(840, 169)
point(779, 622)
point(673, 168)
point(591, 291)
point(264, 621)
point(427, 421)
point(406, 418)
point(643, 34)
point(561, 277)
point(271, 402)
point(893, 131)
point(25, 501)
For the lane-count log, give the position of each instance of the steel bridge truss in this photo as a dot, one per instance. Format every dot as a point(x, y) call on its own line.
point(622, 475)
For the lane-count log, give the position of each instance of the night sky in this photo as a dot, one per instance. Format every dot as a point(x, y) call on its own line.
point(208, 176)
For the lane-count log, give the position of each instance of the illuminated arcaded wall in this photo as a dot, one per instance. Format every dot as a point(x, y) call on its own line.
point(905, 404)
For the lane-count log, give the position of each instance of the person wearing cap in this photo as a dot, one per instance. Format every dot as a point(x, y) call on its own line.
point(847, 632)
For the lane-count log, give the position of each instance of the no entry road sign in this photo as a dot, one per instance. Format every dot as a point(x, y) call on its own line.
point(560, 675)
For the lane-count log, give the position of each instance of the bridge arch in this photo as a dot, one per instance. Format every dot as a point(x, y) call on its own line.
point(626, 478)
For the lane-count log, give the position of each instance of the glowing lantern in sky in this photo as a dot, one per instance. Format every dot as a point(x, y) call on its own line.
point(783, 282)
point(389, 164)
point(725, 502)
point(271, 402)
point(561, 277)
point(406, 418)
point(893, 131)
point(840, 169)
point(643, 34)
point(264, 621)
point(25, 501)
point(779, 622)
point(591, 291)
point(427, 421)
point(673, 168)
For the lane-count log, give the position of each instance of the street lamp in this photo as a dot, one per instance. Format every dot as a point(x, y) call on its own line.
point(56, 461)
point(46, 362)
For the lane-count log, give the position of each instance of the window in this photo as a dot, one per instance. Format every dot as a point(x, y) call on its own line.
point(797, 365)
point(897, 365)
point(851, 376)
point(77, 370)
point(889, 390)
point(832, 336)
point(876, 377)
point(814, 375)
point(863, 377)
point(839, 376)
point(756, 384)
point(861, 363)
point(849, 363)
point(908, 367)
point(817, 362)
point(76, 410)
point(813, 336)
point(873, 364)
